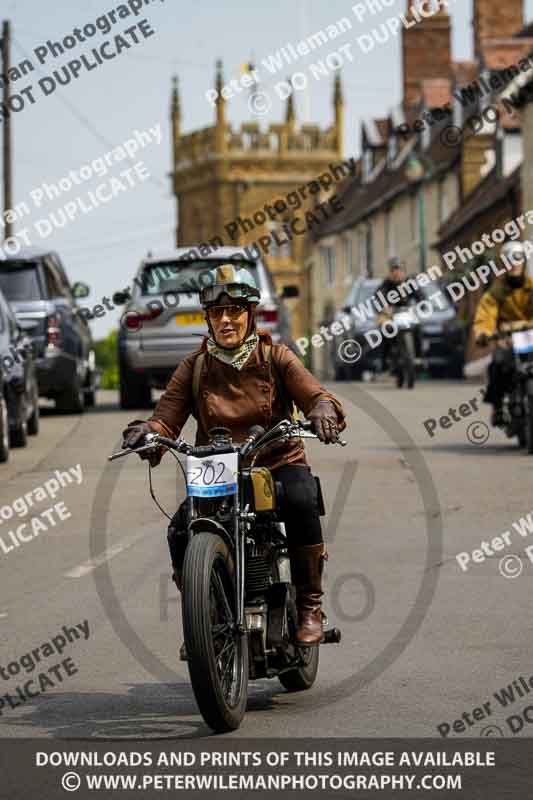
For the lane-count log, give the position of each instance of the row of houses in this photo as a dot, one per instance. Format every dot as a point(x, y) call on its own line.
point(450, 163)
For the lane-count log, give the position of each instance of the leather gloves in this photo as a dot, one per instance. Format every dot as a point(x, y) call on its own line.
point(132, 437)
point(325, 423)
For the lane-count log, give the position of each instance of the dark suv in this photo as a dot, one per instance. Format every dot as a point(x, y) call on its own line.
point(19, 398)
point(36, 285)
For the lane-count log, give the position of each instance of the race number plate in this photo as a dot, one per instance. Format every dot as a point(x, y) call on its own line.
point(523, 341)
point(212, 476)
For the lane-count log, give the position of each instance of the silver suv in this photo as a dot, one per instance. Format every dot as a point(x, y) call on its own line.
point(163, 320)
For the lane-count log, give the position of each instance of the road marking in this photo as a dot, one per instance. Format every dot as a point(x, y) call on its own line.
point(93, 563)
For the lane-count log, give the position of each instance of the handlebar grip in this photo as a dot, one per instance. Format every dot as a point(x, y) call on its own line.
point(256, 432)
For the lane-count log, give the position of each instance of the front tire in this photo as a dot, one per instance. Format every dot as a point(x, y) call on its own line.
point(71, 400)
point(409, 359)
point(217, 655)
point(4, 431)
point(34, 420)
point(18, 436)
point(134, 390)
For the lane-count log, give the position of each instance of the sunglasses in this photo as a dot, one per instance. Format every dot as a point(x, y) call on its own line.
point(233, 312)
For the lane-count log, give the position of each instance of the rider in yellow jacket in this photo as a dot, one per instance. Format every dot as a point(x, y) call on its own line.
point(507, 305)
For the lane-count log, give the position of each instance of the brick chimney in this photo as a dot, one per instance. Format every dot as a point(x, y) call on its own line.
point(426, 49)
point(496, 19)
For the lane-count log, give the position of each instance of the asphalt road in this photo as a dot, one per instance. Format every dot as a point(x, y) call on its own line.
point(423, 641)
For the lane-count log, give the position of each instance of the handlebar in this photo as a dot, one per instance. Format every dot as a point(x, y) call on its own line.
point(506, 334)
point(286, 429)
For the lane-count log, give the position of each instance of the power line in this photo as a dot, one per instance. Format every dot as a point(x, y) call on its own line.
point(85, 121)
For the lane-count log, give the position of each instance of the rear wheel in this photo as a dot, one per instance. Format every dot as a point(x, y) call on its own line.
point(90, 393)
point(72, 399)
point(34, 420)
point(134, 390)
point(217, 654)
point(302, 678)
point(4, 431)
point(18, 436)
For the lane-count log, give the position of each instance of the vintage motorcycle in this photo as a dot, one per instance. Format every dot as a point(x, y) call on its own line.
point(403, 348)
point(238, 603)
point(517, 409)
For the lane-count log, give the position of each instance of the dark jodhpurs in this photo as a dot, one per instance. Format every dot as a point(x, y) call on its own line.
point(299, 510)
point(500, 375)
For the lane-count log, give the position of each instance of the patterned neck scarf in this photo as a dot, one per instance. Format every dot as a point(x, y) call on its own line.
point(236, 358)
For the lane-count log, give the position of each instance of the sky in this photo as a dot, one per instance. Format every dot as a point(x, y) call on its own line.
point(99, 111)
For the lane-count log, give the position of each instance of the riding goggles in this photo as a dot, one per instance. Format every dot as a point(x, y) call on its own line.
point(233, 312)
point(237, 291)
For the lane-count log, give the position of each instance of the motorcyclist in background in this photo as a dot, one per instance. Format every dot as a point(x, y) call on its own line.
point(396, 276)
point(246, 380)
point(507, 305)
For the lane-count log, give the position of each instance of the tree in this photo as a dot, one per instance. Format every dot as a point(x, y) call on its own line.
point(106, 360)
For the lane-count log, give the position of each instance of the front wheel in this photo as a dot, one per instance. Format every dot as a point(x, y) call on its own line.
point(409, 359)
point(217, 654)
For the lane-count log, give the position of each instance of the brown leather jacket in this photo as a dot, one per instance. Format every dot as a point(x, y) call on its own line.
point(239, 399)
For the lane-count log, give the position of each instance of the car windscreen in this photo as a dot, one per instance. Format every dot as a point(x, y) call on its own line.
point(361, 292)
point(440, 301)
point(20, 281)
point(184, 276)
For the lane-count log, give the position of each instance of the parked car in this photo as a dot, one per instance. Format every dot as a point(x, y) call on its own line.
point(371, 358)
point(163, 320)
point(44, 302)
point(19, 395)
point(442, 334)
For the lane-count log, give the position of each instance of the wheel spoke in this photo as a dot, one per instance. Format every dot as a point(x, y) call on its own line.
point(222, 596)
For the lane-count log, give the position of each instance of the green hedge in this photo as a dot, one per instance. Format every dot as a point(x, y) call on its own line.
point(106, 360)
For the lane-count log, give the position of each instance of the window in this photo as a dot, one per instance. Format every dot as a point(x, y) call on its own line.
point(392, 148)
point(328, 264)
point(280, 244)
point(443, 202)
point(366, 250)
point(369, 250)
point(348, 255)
point(367, 163)
point(390, 243)
point(413, 214)
point(20, 281)
point(53, 283)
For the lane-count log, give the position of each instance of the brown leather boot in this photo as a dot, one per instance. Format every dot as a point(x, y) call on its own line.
point(307, 566)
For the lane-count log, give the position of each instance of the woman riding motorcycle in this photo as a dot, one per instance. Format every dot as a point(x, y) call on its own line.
point(237, 379)
point(506, 305)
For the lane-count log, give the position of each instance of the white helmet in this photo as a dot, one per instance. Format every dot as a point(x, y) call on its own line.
point(514, 251)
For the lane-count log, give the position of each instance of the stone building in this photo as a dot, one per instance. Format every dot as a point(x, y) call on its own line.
point(428, 166)
point(224, 179)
